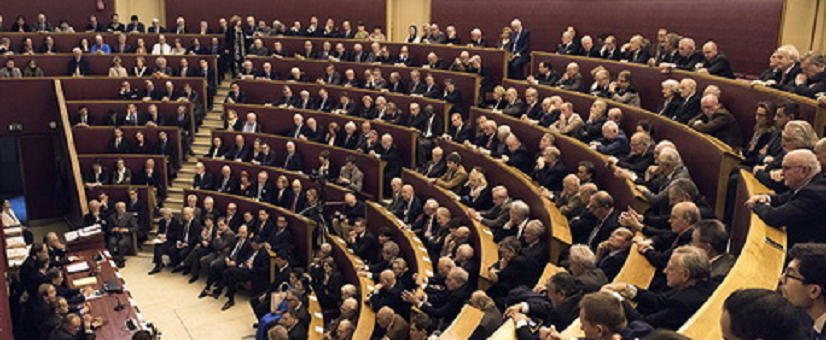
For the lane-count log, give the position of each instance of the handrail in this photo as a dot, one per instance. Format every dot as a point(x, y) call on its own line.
point(424, 264)
point(315, 331)
point(464, 324)
point(74, 163)
point(759, 265)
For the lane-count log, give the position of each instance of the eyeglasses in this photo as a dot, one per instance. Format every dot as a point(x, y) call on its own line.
point(793, 277)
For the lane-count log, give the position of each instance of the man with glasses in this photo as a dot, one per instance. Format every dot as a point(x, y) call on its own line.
point(803, 283)
point(801, 209)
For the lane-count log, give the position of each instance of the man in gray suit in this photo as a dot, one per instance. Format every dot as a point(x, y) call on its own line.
point(350, 175)
point(496, 217)
point(10, 71)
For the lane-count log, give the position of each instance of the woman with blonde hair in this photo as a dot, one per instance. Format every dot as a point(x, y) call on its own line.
point(476, 193)
point(117, 70)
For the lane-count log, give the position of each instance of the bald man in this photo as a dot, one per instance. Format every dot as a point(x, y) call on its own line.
point(388, 293)
point(390, 325)
point(716, 121)
point(801, 209)
point(714, 62)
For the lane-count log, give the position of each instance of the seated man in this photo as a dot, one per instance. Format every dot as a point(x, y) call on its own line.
point(582, 264)
point(388, 293)
point(497, 216)
point(659, 244)
point(612, 253)
point(254, 268)
point(760, 314)
point(350, 175)
point(812, 81)
point(362, 242)
point(800, 209)
point(714, 62)
point(444, 307)
point(717, 122)
point(549, 170)
point(436, 166)
point(554, 303)
point(802, 283)
point(688, 279)
point(711, 236)
point(509, 272)
point(613, 141)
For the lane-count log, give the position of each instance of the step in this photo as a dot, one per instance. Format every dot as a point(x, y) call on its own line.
point(214, 118)
point(175, 189)
point(205, 142)
point(213, 124)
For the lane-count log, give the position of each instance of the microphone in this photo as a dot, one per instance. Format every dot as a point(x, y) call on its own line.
point(119, 307)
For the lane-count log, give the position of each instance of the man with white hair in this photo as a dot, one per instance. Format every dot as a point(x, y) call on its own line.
point(571, 80)
point(690, 105)
point(519, 213)
point(716, 121)
point(251, 125)
point(687, 56)
point(567, 46)
point(476, 39)
point(446, 306)
point(613, 141)
point(520, 49)
point(811, 82)
point(801, 209)
point(783, 68)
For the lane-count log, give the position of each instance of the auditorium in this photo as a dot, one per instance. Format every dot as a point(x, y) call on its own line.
point(413, 169)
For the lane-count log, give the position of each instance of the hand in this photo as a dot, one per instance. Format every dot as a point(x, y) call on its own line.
point(776, 175)
point(519, 317)
point(801, 79)
point(758, 168)
point(513, 310)
point(756, 199)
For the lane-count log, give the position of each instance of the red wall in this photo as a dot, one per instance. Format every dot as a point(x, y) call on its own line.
point(748, 41)
point(34, 105)
point(371, 12)
point(76, 12)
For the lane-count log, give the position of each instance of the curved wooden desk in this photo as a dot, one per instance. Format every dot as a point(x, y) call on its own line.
point(105, 88)
point(55, 65)
point(709, 160)
point(372, 167)
point(738, 95)
point(521, 187)
point(315, 331)
point(467, 84)
point(481, 237)
point(134, 163)
point(759, 265)
point(95, 139)
point(412, 248)
point(464, 324)
point(98, 109)
point(261, 91)
point(572, 152)
point(276, 120)
point(493, 59)
point(347, 264)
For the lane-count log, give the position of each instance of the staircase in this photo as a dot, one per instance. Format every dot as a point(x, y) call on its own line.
point(200, 146)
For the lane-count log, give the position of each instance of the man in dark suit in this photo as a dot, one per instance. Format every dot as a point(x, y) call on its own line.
point(388, 293)
point(254, 268)
point(238, 152)
point(443, 308)
point(261, 303)
point(388, 152)
point(459, 132)
point(98, 175)
point(119, 144)
point(534, 248)
point(687, 56)
point(362, 242)
point(609, 49)
point(436, 166)
point(261, 189)
point(612, 253)
point(716, 121)
point(416, 86)
point(189, 235)
point(556, 305)
point(135, 25)
point(549, 170)
point(800, 209)
point(78, 66)
point(202, 179)
point(121, 227)
point(607, 219)
point(412, 206)
point(690, 287)
point(497, 216)
point(714, 62)
point(292, 159)
point(546, 76)
point(520, 49)
point(517, 155)
point(168, 233)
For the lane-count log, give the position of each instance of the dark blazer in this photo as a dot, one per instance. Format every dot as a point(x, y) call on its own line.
point(446, 307)
point(688, 62)
point(670, 309)
point(514, 109)
point(606, 227)
point(520, 159)
point(292, 162)
point(366, 247)
point(802, 212)
point(461, 134)
point(236, 153)
point(688, 109)
point(202, 182)
point(75, 64)
point(719, 66)
point(550, 176)
point(265, 191)
point(433, 169)
point(391, 297)
point(721, 125)
point(612, 264)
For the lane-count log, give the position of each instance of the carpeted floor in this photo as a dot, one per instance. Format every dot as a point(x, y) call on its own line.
point(172, 304)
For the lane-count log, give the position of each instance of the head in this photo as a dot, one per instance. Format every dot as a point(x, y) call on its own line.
point(601, 204)
point(799, 167)
point(710, 235)
point(804, 280)
point(561, 287)
point(602, 315)
point(751, 314)
point(687, 266)
point(684, 215)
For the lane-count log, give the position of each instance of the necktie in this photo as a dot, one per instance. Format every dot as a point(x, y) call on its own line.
point(287, 161)
point(186, 231)
point(295, 203)
point(234, 253)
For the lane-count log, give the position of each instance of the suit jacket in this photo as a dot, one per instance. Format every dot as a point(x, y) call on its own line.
point(497, 216)
point(203, 182)
point(688, 62)
point(227, 185)
point(121, 148)
point(521, 44)
point(461, 134)
point(571, 84)
point(548, 79)
point(721, 125)
point(802, 212)
point(77, 66)
point(602, 229)
point(366, 247)
point(550, 176)
point(670, 309)
point(520, 159)
point(514, 109)
point(236, 153)
point(433, 169)
point(411, 210)
point(446, 307)
point(721, 266)
point(719, 66)
point(611, 264)
point(292, 162)
point(391, 297)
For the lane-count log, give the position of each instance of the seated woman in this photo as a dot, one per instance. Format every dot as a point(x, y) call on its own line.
point(476, 193)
